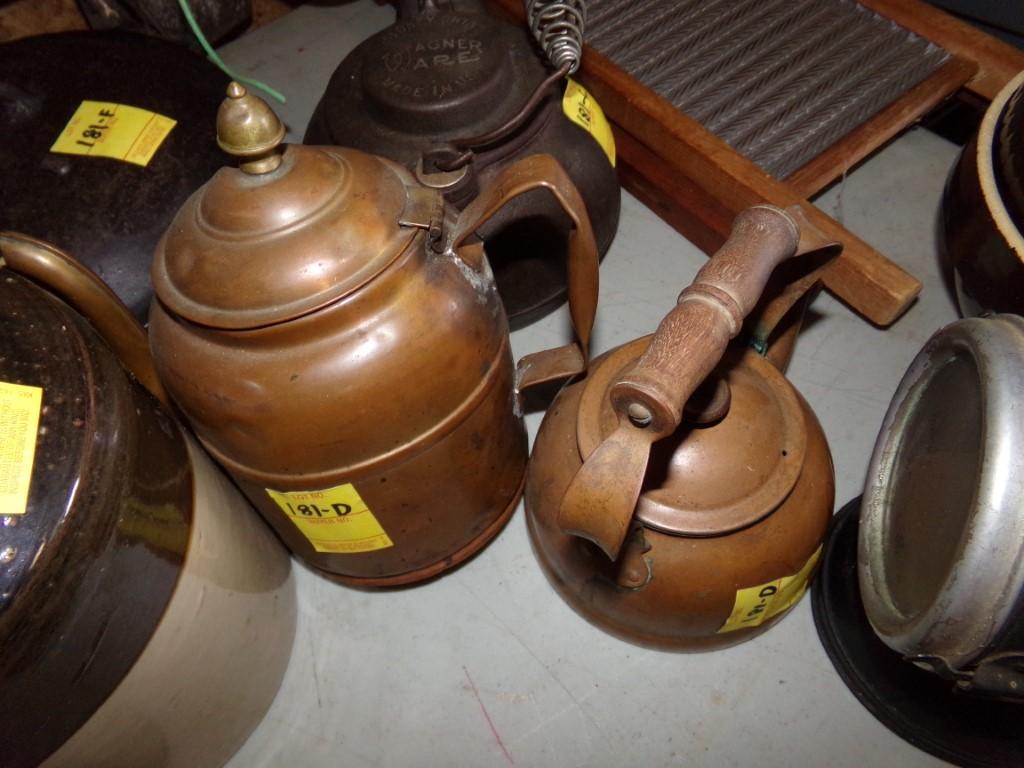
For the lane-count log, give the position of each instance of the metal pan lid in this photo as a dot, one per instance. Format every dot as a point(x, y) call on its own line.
point(940, 547)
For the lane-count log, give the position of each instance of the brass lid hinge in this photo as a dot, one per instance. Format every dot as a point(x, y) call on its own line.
point(424, 209)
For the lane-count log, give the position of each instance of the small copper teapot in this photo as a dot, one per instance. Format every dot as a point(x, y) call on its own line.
point(339, 348)
point(455, 95)
point(676, 497)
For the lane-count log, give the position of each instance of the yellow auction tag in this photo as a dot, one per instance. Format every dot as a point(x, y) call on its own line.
point(755, 605)
point(580, 107)
point(19, 424)
point(334, 519)
point(104, 129)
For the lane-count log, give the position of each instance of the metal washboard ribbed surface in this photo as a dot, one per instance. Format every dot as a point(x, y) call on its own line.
point(778, 80)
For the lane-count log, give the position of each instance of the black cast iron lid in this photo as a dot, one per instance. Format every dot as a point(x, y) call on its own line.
point(437, 76)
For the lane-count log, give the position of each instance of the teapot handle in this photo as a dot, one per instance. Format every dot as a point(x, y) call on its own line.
point(541, 172)
point(691, 339)
point(79, 286)
point(776, 321)
point(648, 396)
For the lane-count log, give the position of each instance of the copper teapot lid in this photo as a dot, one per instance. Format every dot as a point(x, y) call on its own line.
point(286, 232)
point(715, 478)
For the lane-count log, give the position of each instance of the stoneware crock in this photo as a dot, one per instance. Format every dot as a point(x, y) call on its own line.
point(146, 612)
point(105, 135)
point(983, 210)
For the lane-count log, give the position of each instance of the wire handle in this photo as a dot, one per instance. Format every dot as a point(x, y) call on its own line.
point(558, 27)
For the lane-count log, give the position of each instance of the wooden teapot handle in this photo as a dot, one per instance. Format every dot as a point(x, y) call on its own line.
point(79, 286)
point(776, 321)
point(541, 172)
point(691, 339)
point(649, 395)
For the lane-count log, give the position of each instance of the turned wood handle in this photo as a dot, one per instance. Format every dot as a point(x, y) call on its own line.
point(691, 339)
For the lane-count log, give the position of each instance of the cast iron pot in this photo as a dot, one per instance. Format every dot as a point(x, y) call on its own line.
point(455, 95)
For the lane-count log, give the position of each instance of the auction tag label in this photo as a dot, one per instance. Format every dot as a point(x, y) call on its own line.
point(20, 406)
point(334, 519)
point(580, 107)
point(104, 129)
point(755, 605)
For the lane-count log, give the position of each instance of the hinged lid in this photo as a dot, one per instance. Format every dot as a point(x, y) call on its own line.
point(286, 232)
point(708, 480)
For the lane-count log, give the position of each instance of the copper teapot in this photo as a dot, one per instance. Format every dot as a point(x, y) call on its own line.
point(336, 341)
point(676, 497)
point(456, 94)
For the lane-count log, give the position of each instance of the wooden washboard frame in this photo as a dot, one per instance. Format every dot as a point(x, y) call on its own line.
point(697, 183)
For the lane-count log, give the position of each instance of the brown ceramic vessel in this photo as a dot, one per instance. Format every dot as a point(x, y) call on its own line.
point(133, 572)
point(983, 211)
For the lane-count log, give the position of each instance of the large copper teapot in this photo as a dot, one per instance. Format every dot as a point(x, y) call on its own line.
point(676, 497)
point(336, 341)
point(456, 94)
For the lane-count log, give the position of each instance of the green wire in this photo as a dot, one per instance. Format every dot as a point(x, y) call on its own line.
point(212, 55)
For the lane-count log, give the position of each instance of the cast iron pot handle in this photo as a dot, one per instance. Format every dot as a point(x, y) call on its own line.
point(541, 172)
point(81, 288)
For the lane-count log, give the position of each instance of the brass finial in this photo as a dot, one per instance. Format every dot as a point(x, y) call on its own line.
point(248, 128)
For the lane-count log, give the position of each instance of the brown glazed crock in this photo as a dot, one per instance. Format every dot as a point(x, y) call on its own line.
point(983, 210)
point(136, 572)
point(107, 212)
point(340, 350)
point(711, 538)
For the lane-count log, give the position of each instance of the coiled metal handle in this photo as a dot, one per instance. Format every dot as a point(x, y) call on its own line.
point(558, 27)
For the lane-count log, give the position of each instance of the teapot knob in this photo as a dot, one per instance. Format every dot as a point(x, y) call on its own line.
point(249, 129)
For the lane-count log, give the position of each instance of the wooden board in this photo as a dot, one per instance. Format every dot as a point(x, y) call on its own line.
point(697, 182)
point(702, 211)
point(862, 277)
point(843, 155)
point(997, 61)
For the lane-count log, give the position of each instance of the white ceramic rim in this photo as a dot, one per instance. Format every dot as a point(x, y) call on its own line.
point(986, 170)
